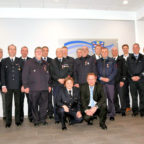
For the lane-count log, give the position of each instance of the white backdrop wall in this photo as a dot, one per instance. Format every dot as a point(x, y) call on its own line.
point(40, 32)
point(140, 34)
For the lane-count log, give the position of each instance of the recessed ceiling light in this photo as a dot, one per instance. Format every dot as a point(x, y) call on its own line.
point(56, 0)
point(125, 2)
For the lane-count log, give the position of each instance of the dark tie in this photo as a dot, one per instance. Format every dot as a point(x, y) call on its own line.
point(70, 94)
point(60, 60)
point(45, 59)
point(12, 60)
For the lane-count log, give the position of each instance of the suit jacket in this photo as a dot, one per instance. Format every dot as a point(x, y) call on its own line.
point(98, 96)
point(23, 62)
point(107, 68)
point(82, 67)
point(121, 71)
point(36, 75)
point(11, 73)
point(64, 99)
point(59, 70)
point(136, 67)
point(125, 64)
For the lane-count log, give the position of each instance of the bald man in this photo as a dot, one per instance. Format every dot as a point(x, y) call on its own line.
point(119, 83)
point(60, 69)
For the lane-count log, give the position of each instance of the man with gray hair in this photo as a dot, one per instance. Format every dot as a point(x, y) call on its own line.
point(119, 83)
point(11, 79)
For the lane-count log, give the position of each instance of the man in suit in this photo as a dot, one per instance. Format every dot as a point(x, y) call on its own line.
point(45, 57)
point(125, 56)
point(68, 103)
point(35, 78)
point(119, 83)
point(93, 101)
point(107, 71)
point(24, 57)
point(135, 64)
point(60, 69)
point(83, 66)
point(2, 94)
point(97, 54)
point(11, 84)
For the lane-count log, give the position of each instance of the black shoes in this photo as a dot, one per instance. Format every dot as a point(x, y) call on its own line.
point(56, 122)
point(44, 123)
point(112, 118)
point(18, 123)
point(142, 115)
point(51, 116)
point(8, 125)
point(90, 122)
point(135, 114)
point(103, 126)
point(123, 114)
point(64, 126)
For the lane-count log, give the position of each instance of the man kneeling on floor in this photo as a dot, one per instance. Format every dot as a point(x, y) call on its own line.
point(93, 101)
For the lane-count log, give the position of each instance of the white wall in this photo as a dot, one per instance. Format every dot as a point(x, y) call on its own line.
point(41, 32)
point(140, 34)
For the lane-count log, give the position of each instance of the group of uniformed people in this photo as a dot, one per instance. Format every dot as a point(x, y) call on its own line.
point(72, 90)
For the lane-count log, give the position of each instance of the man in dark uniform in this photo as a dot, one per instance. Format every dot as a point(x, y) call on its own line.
point(48, 60)
point(11, 84)
point(68, 58)
point(119, 83)
point(135, 64)
point(2, 94)
point(60, 69)
point(107, 70)
point(93, 101)
point(97, 54)
point(35, 78)
point(83, 66)
point(125, 56)
point(24, 57)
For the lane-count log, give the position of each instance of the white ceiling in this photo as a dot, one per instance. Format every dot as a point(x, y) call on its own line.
point(133, 5)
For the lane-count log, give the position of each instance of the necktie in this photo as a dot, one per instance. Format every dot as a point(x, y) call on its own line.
point(92, 102)
point(60, 60)
point(12, 60)
point(136, 57)
point(45, 59)
point(70, 94)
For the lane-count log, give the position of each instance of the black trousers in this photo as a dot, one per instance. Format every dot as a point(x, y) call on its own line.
point(22, 106)
point(126, 93)
point(39, 105)
point(137, 88)
point(50, 106)
point(101, 112)
point(119, 91)
point(9, 98)
point(56, 94)
point(71, 114)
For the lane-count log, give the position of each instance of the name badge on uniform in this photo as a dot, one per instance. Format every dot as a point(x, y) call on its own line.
point(107, 65)
point(65, 66)
point(86, 63)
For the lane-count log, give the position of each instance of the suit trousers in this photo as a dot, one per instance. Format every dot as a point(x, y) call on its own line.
point(39, 105)
point(9, 98)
